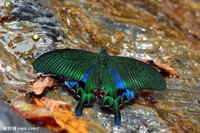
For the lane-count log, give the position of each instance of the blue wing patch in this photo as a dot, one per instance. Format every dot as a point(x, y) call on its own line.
point(85, 77)
point(71, 84)
point(120, 85)
point(118, 80)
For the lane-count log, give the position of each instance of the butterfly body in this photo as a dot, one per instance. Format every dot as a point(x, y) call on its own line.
point(113, 79)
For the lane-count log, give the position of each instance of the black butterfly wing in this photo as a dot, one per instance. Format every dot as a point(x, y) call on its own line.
point(136, 74)
point(72, 64)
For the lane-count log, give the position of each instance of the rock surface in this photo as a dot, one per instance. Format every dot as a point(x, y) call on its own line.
point(163, 31)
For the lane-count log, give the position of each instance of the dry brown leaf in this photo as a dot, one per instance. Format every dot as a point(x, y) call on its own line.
point(38, 86)
point(56, 115)
point(166, 70)
point(55, 105)
point(67, 120)
point(6, 18)
point(31, 111)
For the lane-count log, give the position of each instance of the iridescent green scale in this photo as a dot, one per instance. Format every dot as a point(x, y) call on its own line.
point(113, 79)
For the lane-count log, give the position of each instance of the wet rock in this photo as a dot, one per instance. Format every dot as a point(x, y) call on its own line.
point(126, 28)
point(135, 118)
point(17, 47)
point(39, 15)
point(183, 15)
point(29, 18)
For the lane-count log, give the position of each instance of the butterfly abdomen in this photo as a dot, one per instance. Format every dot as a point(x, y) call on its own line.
point(102, 65)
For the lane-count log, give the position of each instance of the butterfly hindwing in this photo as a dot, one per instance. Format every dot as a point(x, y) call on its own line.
point(136, 74)
point(115, 92)
point(71, 64)
point(84, 89)
point(91, 84)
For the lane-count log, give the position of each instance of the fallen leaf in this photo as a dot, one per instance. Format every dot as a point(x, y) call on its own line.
point(54, 105)
point(6, 18)
point(56, 115)
point(32, 111)
point(38, 86)
point(166, 70)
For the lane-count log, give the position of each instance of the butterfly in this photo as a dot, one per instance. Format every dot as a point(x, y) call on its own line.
point(113, 80)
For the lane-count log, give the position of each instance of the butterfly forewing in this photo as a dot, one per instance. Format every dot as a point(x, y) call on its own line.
point(136, 74)
point(71, 64)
